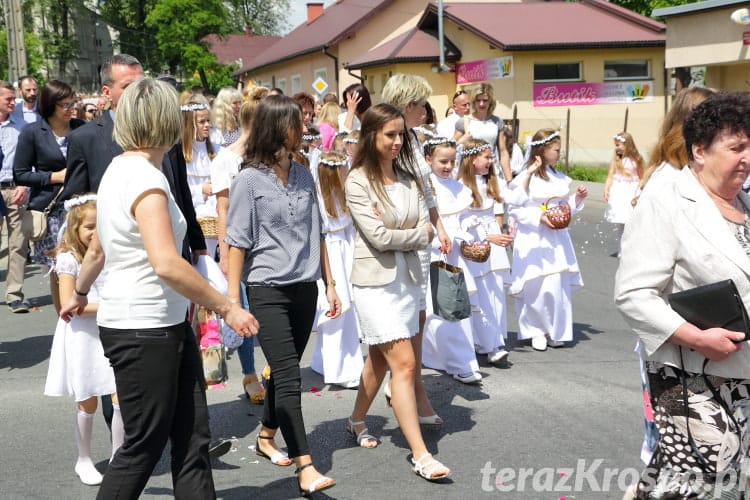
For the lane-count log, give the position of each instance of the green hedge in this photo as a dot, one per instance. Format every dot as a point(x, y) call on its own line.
point(590, 174)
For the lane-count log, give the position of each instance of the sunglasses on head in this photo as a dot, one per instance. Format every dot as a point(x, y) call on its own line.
point(458, 93)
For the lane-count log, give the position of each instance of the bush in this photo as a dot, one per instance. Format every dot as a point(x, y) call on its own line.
point(589, 174)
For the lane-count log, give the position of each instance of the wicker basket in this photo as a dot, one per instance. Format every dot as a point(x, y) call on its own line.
point(558, 212)
point(479, 251)
point(209, 226)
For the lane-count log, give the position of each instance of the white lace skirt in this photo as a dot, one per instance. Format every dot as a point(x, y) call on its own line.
point(389, 312)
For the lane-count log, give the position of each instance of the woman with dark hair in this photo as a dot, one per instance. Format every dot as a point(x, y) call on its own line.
point(386, 202)
point(356, 102)
point(276, 250)
point(40, 164)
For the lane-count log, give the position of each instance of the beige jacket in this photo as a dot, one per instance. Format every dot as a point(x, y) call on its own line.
point(678, 240)
point(377, 241)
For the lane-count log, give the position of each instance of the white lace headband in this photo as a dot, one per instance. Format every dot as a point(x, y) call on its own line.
point(437, 141)
point(620, 138)
point(351, 140)
point(80, 200)
point(193, 107)
point(544, 141)
point(475, 150)
point(330, 162)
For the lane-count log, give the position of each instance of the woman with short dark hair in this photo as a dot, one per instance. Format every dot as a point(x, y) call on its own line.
point(40, 164)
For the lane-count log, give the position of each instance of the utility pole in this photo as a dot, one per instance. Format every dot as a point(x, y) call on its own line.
point(16, 45)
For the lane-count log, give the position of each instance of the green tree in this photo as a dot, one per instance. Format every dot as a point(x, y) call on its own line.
point(264, 17)
point(180, 27)
point(646, 7)
point(57, 42)
point(128, 17)
point(34, 59)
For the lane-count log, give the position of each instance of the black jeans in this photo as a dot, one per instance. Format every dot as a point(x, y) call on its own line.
point(161, 389)
point(286, 316)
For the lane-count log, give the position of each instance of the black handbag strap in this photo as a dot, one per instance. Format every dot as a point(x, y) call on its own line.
point(52, 202)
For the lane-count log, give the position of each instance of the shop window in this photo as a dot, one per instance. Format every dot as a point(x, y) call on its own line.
point(296, 84)
point(557, 72)
point(627, 70)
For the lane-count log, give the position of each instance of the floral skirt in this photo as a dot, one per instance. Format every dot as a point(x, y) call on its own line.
point(49, 242)
point(703, 447)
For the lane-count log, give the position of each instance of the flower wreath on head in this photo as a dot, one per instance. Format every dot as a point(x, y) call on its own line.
point(310, 137)
point(439, 141)
point(475, 150)
point(196, 106)
point(542, 142)
point(80, 200)
point(351, 140)
point(620, 138)
point(330, 162)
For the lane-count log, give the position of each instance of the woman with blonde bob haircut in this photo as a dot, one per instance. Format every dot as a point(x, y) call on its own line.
point(144, 301)
point(225, 115)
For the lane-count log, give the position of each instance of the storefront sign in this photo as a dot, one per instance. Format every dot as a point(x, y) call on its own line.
point(746, 38)
point(486, 69)
point(584, 94)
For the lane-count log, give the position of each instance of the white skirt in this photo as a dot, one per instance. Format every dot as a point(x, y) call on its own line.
point(77, 365)
point(488, 312)
point(390, 312)
point(449, 346)
point(619, 207)
point(546, 308)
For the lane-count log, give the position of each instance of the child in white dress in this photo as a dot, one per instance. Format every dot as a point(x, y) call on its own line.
point(484, 222)
point(337, 355)
point(77, 365)
point(449, 345)
point(625, 172)
point(199, 151)
point(545, 268)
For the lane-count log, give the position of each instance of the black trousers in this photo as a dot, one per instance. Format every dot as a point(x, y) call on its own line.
point(161, 390)
point(286, 316)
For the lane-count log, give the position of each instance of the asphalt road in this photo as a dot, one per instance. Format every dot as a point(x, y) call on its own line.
point(563, 423)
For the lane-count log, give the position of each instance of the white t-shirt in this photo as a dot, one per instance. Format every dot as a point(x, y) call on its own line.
point(447, 126)
point(133, 295)
point(356, 125)
point(224, 168)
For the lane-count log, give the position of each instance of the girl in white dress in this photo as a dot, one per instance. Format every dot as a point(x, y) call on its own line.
point(337, 355)
point(545, 268)
point(77, 365)
point(621, 187)
point(484, 222)
point(199, 151)
point(449, 345)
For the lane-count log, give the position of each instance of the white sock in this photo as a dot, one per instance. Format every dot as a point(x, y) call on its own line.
point(118, 430)
point(85, 466)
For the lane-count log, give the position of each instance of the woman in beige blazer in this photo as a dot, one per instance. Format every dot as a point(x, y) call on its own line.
point(694, 231)
point(387, 206)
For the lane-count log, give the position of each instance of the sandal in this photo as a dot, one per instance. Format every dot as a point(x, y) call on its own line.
point(429, 468)
point(362, 436)
point(316, 485)
point(276, 458)
point(258, 397)
point(433, 419)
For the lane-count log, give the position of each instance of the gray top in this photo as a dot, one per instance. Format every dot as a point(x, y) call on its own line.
point(277, 225)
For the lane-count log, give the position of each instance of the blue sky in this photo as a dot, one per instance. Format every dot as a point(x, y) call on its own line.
point(299, 12)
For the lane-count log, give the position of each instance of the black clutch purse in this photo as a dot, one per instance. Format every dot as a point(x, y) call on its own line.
point(717, 305)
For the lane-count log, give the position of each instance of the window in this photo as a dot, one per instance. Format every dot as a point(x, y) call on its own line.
point(321, 73)
point(281, 83)
point(627, 70)
point(557, 72)
point(296, 84)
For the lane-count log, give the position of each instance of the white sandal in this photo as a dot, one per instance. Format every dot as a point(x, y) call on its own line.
point(427, 468)
point(362, 435)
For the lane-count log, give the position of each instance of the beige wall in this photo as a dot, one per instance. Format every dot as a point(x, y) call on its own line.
point(591, 127)
point(705, 38)
point(304, 66)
